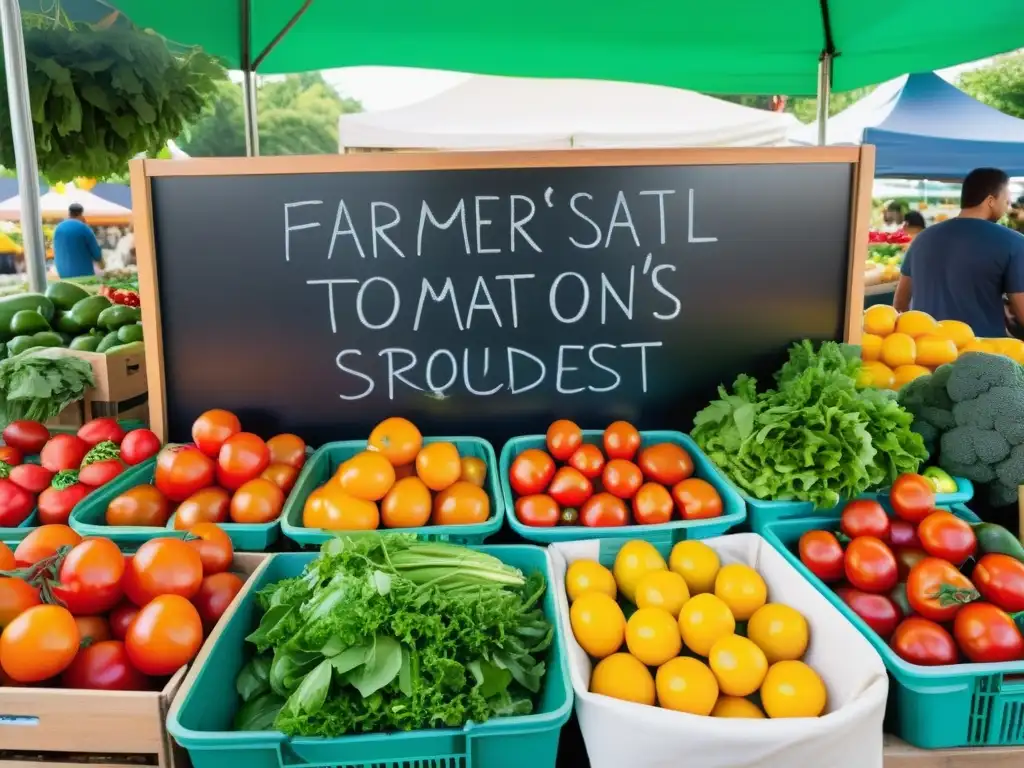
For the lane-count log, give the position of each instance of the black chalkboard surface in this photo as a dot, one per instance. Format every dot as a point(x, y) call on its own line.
point(489, 301)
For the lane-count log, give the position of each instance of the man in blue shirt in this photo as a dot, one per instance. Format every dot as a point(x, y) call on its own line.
point(74, 245)
point(960, 269)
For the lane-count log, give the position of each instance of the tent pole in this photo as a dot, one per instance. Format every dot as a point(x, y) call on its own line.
point(824, 95)
point(24, 140)
point(252, 131)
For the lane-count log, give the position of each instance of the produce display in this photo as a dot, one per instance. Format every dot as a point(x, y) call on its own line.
point(78, 613)
point(384, 632)
point(69, 468)
point(687, 623)
point(40, 383)
point(885, 256)
point(818, 436)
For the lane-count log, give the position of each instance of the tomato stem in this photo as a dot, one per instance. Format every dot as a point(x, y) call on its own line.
point(43, 575)
point(64, 479)
point(947, 595)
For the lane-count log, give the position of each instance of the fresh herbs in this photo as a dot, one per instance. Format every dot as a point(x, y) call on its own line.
point(384, 632)
point(816, 437)
point(40, 383)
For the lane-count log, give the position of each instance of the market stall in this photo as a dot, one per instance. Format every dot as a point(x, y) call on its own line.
point(54, 207)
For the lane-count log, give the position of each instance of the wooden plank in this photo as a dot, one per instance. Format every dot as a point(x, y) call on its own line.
point(899, 754)
point(860, 223)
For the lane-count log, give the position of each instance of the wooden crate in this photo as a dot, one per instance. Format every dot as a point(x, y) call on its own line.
point(121, 391)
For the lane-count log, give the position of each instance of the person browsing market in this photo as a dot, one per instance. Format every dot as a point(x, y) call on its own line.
point(75, 249)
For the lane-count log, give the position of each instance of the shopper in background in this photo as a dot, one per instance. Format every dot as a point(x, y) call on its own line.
point(913, 223)
point(893, 215)
point(75, 249)
point(960, 269)
point(1017, 215)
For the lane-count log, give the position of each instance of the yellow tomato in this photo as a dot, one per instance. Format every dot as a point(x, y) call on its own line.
point(597, 624)
point(979, 345)
point(870, 347)
point(956, 331)
point(474, 470)
point(793, 689)
point(686, 684)
point(875, 374)
point(780, 631)
point(652, 635)
point(697, 563)
point(622, 676)
point(588, 576)
point(1012, 348)
point(880, 320)
point(904, 374)
point(742, 589)
point(739, 665)
point(635, 560)
point(934, 350)
point(733, 706)
point(898, 349)
point(704, 620)
point(662, 589)
point(915, 323)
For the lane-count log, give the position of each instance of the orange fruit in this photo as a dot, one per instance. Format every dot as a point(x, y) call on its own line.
point(474, 470)
point(898, 349)
point(1012, 348)
point(979, 345)
point(957, 332)
point(916, 323)
point(880, 320)
point(397, 439)
point(461, 503)
point(334, 510)
point(934, 350)
point(870, 347)
point(875, 374)
point(6, 558)
point(438, 465)
point(407, 504)
point(907, 373)
point(366, 476)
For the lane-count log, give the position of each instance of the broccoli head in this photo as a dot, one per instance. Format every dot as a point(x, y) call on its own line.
point(927, 399)
point(971, 445)
point(974, 373)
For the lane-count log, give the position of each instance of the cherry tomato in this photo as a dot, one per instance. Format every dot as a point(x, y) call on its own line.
point(603, 510)
point(284, 476)
point(6, 558)
point(55, 505)
point(215, 595)
point(139, 445)
point(141, 505)
point(697, 499)
point(653, 504)
point(903, 534)
point(870, 565)
point(531, 471)
point(864, 517)
point(181, 470)
point(877, 611)
point(90, 577)
point(44, 542)
point(16, 597)
point(32, 477)
point(166, 567)
point(621, 440)
point(104, 666)
point(907, 558)
point(16, 504)
point(622, 478)
point(210, 505)
point(912, 498)
point(93, 629)
point(924, 642)
point(986, 634)
point(287, 449)
point(946, 536)
point(538, 510)
point(937, 590)
point(665, 463)
point(98, 430)
point(242, 458)
point(121, 618)
point(1000, 580)
point(589, 460)
point(563, 438)
point(569, 487)
point(165, 636)
point(212, 428)
point(257, 501)
point(29, 437)
point(822, 553)
point(214, 547)
point(63, 452)
point(39, 643)
point(11, 455)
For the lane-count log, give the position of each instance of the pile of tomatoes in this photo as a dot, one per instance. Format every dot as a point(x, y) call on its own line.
point(77, 613)
point(919, 580)
point(574, 482)
point(400, 482)
point(224, 476)
point(69, 468)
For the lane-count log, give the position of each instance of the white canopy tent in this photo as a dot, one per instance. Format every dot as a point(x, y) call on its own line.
point(486, 112)
point(54, 205)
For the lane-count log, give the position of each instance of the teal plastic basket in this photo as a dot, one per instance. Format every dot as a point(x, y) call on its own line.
point(324, 462)
point(959, 705)
point(733, 509)
point(201, 719)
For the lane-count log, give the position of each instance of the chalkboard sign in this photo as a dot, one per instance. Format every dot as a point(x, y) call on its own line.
point(487, 294)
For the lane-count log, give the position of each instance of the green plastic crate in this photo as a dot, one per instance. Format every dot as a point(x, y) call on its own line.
point(959, 705)
point(734, 511)
point(322, 466)
point(201, 719)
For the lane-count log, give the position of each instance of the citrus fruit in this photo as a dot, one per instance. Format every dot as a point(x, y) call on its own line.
point(588, 576)
point(662, 589)
point(934, 350)
point(697, 563)
point(876, 374)
point(634, 561)
point(597, 624)
point(686, 684)
point(734, 706)
point(742, 589)
point(880, 320)
point(622, 676)
point(780, 631)
point(739, 665)
point(958, 332)
point(397, 439)
point(904, 374)
point(652, 635)
point(870, 347)
point(916, 323)
point(898, 349)
point(793, 689)
point(704, 620)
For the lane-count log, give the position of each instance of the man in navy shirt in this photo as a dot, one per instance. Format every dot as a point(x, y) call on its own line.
point(960, 269)
point(74, 245)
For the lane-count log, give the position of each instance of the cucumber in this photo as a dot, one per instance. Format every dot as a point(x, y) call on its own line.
point(28, 321)
point(65, 295)
point(87, 311)
point(85, 343)
point(129, 333)
point(65, 323)
point(995, 538)
point(108, 342)
point(19, 344)
point(114, 317)
point(12, 305)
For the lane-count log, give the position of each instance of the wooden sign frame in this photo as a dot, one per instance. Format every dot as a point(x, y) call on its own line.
point(861, 158)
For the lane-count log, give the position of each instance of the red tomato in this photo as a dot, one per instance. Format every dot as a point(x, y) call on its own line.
point(104, 666)
point(16, 504)
point(11, 455)
point(32, 477)
point(986, 634)
point(621, 440)
point(165, 567)
point(90, 577)
point(589, 460)
point(92, 629)
point(287, 449)
point(569, 487)
point(39, 643)
point(653, 504)
point(622, 478)
point(214, 547)
point(165, 636)
point(602, 510)
point(55, 505)
point(181, 470)
point(43, 542)
point(104, 428)
point(937, 590)
point(870, 565)
point(877, 611)
point(822, 553)
point(563, 438)
point(907, 558)
point(215, 595)
point(121, 618)
point(912, 498)
point(864, 517)
point(29, 437)
point(924, 642)
point(63, 452)
point(531, 471)
point(16, 597)
point(242, 458)
point(139, 445)
point(946, 536)
point(538, 510)
point(1000, 580)
point(697, 499)
point(213, 428)
point(903, 534)
point(209, 505)
point(665, 463)
point(100, 472)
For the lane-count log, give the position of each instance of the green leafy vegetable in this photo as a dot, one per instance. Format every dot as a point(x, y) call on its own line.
point(40, 383)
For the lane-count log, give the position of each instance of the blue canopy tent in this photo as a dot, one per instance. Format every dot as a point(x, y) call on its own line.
point(924, 127)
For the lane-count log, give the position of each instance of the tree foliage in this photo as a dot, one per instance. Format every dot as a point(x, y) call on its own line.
point(804, 107)
point(1000, 85)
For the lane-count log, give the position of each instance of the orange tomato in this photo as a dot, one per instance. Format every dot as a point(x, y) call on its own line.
point(407, 504)
point(621, 440)
point(210, 505)
point(438, 465)
point(257, 501)
point(563, 438)
point(141, 505)
point(212, 428)
point(6, 557)
point(39, 643)
point(216, 552)
point(163, 567)
point(652, 504)
point(396, 439)
point(622, 478)
point(242, 458)
point(697, 499)
point(281, 475)
point(165, 636)
point(93, 628)
point(474, 471)
point(461, 503)
point(366, 476)
point(287, 449)
point(405, 470)
point(16, 597)
point(589, 460)
point(43, 542)
point(331, 509)
point(665, 463)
